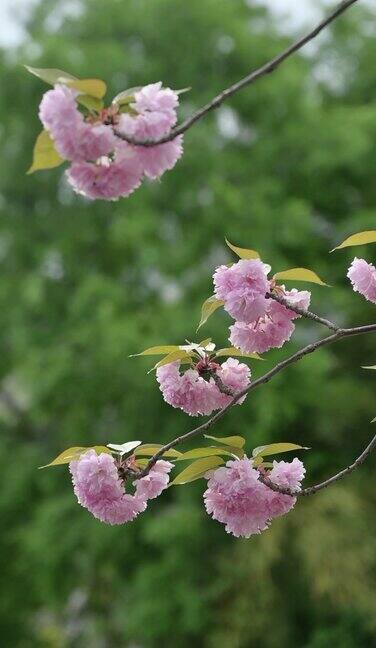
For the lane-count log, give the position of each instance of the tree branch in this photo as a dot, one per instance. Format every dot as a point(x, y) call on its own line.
point(301, 311)
point(265, 69)
point(311, 490)
point(222, 388)
point(295, 357)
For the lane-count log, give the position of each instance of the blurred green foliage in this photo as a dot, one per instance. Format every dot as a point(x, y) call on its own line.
point(287, 167)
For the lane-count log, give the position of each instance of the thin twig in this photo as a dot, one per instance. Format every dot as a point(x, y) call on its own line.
point(295, 357)
point(265, 69)
point(303, 312)
point(311, 490)
point(221, 386)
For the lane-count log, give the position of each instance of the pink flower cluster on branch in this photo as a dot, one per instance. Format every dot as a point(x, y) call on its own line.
point(260, 323)
point(103, 165)
point(363, 278)
point(99, 487)
point(194, 394)
point(237, 498)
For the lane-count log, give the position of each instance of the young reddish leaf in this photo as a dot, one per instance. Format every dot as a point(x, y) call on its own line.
point(300, 274)
point(361, 238)
point(196, 470)
point(45, 156)
point(243, 253)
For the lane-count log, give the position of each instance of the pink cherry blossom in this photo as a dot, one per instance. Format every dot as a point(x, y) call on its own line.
point(363, 278)
point(284, 473)
point(107, 179)
point(154, 98)
point(155, 481)
point(98, 487)
point(236, 497)
point(155, 160)
point(271, 330)
point(193, 394)
point(155, 109)
point(74, 139)
point(242, 287)
point(299, 298)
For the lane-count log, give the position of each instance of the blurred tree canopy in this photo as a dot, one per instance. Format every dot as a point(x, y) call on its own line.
point(286, 167)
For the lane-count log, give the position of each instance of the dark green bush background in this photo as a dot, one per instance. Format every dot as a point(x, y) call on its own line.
point(287, 167)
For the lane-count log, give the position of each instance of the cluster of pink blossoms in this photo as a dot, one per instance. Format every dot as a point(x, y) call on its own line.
point(260, 322)
point(102, 164)
point(193, 394)
point(99, 488)
point(236, 497)
point(363, 278)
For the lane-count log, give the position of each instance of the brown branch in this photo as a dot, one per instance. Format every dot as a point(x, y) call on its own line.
point(260, 72)
point(222, 388)
point(295, 357)
point(303, 312)
point(311, 490)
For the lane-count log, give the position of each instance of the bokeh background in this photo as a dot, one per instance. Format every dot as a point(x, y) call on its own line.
point(287, 167)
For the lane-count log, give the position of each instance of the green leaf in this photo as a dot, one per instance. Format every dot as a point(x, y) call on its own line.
point(51, 75)
point(123, 448)
point(92, 87)
point(209, 306)
point(156, 350)
point(300, 274)
point(45, 156)
point(150, 449)
point(243, 253)
point(210, 451)
point(373, 420)
point(142, 463)
point(74, 453)
point(236, 441)
point(276, 448)
point(361, 238)
point(233, 351)
point(172, 357)
point(205, 342)
point(91, 103)
point(196, 470)
point(126, 96)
